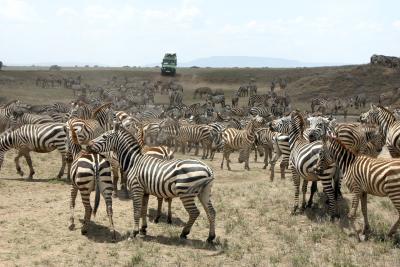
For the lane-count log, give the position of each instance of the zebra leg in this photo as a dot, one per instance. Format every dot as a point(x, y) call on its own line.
point(17, 166)
point(169, 219)
point(85, 195)
point(145, 202)
point(190, 207)
point(313, 190)
point(394, 197)
point(353, 211)
point(123, 184)
point(159, 208)
point(296, 184)
point(74, 193)
point(304, 191)
point(283, 165)
point(367, 228)
point(136, 194)
point(223, 158)
point(115, 181)
point(328, 190)
point(247, 157)
point(205, 200)
point(62, 169)
point(30, 164)
point(227, 160)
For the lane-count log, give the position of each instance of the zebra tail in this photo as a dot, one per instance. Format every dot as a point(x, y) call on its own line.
point(198, 188)
point(97, 186)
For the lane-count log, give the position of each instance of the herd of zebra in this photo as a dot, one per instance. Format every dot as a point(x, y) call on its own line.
point(101, 144)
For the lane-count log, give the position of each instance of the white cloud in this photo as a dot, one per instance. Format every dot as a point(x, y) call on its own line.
point(67, 12)
point(17, 11)
point(396, 24)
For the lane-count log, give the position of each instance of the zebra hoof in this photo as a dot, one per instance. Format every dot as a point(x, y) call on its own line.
point(71, 227)
point(157, 219)
point(183, 236)
point(134, 234)
point(83, 231)
point(210, 239)
point(20, 172)
point(169, 221)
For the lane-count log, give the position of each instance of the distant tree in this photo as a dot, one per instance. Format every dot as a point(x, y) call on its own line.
point(1, 65)
point(55, 67)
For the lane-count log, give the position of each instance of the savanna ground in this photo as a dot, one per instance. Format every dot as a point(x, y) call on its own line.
point(254, 225)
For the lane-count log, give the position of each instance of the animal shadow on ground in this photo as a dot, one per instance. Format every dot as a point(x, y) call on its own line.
point(319, 210)
point(178, 242)
point(101, 233)
point(40, 180)
point(123, 195)
point(175, 221)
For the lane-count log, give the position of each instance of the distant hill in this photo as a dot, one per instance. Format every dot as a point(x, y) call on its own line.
point(252, 62)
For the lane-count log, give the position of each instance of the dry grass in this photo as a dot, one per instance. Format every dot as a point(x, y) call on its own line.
point(253, 226)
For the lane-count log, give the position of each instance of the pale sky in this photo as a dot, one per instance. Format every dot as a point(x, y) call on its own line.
point(137, 32)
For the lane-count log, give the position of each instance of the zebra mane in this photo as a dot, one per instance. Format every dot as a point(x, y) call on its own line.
point(337, 140)
point(297, 114)
point(73, 134)
point(385, 109)
point(94, 113)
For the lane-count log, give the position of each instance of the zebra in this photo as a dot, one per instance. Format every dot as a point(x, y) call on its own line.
point(303, 161)
point(364, 175)
point(264, 112)
point(360, 101)
point(388, 126)
point(234, 139)
point(281, 125)
point(258, 99)
point(195, 134)
point(243, 91)
point(22, 118)
point(147, 175)
point(41, 138)
point(175, 98)
point(89, 172)
point(235, 99)
point(217, 99)
point(201, 91)
point(216, 130)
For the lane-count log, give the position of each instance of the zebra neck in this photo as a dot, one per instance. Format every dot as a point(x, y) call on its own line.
point(128, 155)
point(344, 157)
point(385, 123)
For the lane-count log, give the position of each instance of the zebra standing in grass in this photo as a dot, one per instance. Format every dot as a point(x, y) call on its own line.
point(364, 175)
point(89, 172)
point(216, 130)
point(235, 99)
point(243, 140)
point(147, 175)
point(41, 138)
point(175, 98)
point(216, 99)
point(389, 127)
point(303, 159)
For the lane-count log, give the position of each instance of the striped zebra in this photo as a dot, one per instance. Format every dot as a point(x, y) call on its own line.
point(216, 130)
point(281, 125)
point(195, 134)
point(21, 118)
point(261, 100)
point(242, 140)
point(303, 161)
point(175, 98)
point(364, 175)
point(89, 172)
point(235, 99)
point(389, 127)
point(40, 138)
point(216, 99)
point(147, 175)
point(243, 91)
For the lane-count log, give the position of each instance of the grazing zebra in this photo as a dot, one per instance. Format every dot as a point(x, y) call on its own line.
point(217, 99)
point(389, 127)
point(364, 175)
point(21, 118)
point(147, 175)
point(89, 172)
point(243, 140)
point(303, 158)
point(41, 138)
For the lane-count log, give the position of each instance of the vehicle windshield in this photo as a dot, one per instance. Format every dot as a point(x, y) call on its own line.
point(169, 61)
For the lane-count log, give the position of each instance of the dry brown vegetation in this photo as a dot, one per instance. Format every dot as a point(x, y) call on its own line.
point(254, 225)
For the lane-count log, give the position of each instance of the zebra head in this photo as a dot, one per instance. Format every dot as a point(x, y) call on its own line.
point(371, 116)
point(324, 159)
point(318, 128)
